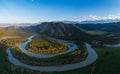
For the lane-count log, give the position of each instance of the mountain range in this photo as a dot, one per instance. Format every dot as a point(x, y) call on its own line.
point(58, 29)
point(65, 29)
point(106, 27)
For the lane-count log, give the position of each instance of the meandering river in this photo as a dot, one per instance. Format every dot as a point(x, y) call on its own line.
point(92, 56)
point(71, 47)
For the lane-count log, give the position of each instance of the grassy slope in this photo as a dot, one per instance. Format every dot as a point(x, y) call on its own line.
point(5, 65)
point(108, 63)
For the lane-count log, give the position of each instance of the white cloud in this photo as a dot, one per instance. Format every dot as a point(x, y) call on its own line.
point(95, 17)
point(113, 17)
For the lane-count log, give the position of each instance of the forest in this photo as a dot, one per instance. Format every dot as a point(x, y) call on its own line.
point(71, 57)
point(43, 44)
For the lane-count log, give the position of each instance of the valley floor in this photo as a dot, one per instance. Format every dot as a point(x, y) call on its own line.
point(92, 56)
point(107, 63)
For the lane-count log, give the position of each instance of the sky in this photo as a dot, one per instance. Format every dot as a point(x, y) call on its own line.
point(32, 11)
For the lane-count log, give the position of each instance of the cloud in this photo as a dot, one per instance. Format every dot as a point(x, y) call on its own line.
point(113, 17)
point(95, 17)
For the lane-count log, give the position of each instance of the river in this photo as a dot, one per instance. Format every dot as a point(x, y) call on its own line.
point(92, 56)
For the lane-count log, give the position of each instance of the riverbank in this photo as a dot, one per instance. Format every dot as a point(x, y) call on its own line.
point(38, 55)
point(92, 56)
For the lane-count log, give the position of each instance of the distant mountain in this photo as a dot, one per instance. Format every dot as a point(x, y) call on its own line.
point(93, 21)
point(100, 21)
point(113, 28)
point(69, 31)
point(95, 27)
point(11, 28)
point(66, 28)
point(107, 27)
point(59, 29)
point(17, 24)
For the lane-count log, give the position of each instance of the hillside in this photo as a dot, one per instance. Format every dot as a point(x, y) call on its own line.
point(59, 29)
point(70, 31)
point(114, 28)
point(107, 27)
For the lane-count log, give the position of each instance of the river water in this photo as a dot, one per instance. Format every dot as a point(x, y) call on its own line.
point(92, 56)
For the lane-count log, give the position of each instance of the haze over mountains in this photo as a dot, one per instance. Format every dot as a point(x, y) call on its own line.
point(65, 21)
point(16, 24)
point(66, 28)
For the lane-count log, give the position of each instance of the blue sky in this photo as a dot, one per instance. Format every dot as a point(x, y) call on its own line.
point(22, 11)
